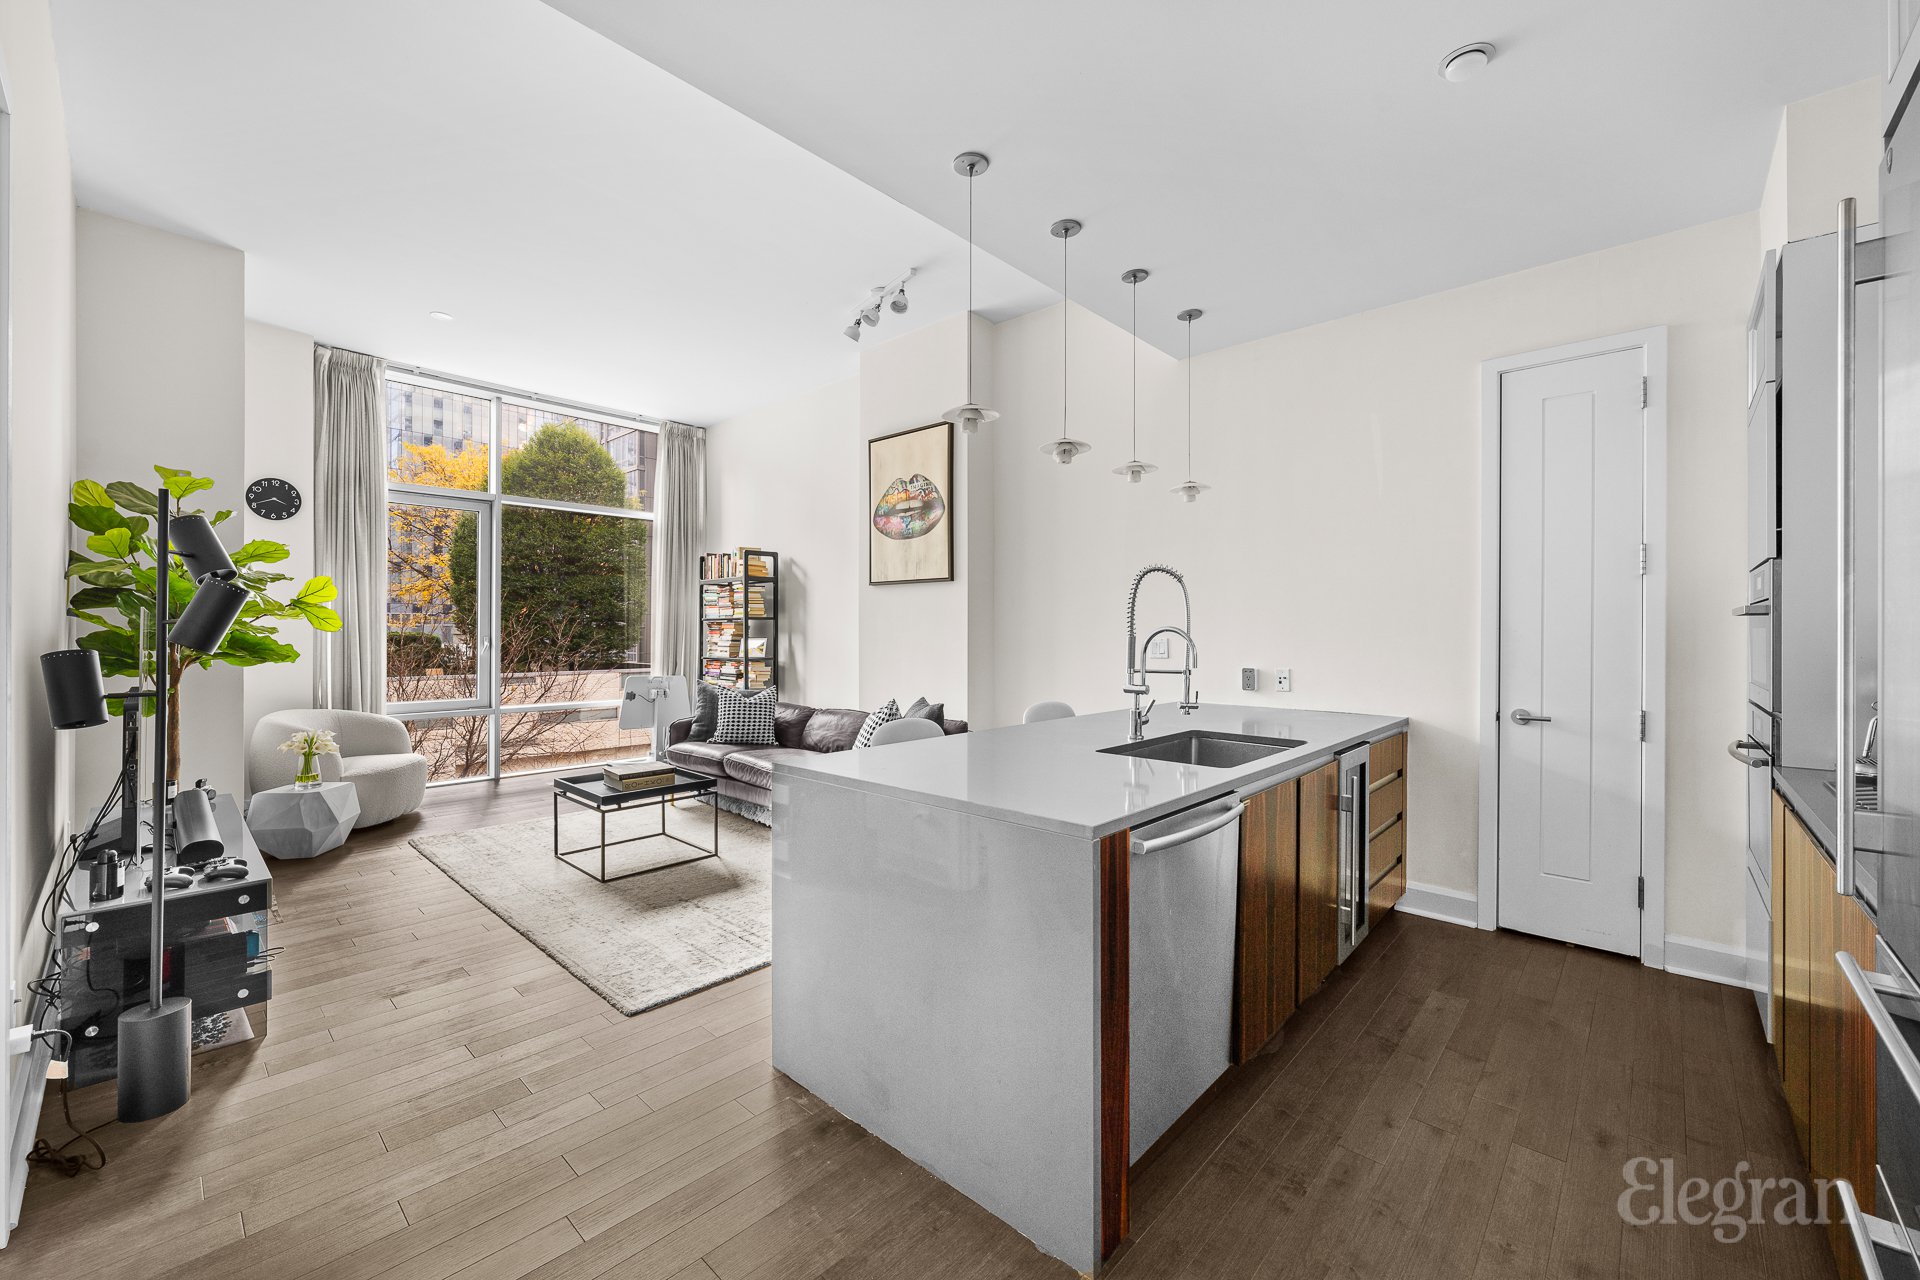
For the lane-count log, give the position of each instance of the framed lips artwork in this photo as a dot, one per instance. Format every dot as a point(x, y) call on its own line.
point(910, 506)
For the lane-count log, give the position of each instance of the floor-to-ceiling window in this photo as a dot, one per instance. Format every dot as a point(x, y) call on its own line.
point(517, 533)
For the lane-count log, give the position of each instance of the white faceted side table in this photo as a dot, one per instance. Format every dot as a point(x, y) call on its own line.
point(288, 822)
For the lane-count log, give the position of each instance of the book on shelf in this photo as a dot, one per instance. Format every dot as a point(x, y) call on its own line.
point(747, 562)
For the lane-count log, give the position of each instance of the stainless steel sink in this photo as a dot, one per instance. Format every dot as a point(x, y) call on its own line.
point(1208, 750)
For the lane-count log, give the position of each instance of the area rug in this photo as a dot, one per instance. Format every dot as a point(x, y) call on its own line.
point(640, 942)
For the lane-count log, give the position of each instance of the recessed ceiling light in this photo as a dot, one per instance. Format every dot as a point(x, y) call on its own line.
point(1466, 62)
point(438, 315)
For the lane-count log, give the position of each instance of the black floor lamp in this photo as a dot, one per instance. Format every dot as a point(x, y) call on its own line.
point(155, 1040)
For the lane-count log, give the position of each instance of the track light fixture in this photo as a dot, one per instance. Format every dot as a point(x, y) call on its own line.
point(891, 296)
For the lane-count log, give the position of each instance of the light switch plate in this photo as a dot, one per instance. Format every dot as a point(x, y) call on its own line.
point(1161, 648)
point(1249, 679)
point(1283, 680)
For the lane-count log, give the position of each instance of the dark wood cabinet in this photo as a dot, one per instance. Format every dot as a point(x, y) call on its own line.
point(1386, 826)
point(1288, 934)
point(1265, 957)
point(1823, 1041)
point(1319, 877)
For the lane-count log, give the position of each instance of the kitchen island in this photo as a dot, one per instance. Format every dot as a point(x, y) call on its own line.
point(955, 940)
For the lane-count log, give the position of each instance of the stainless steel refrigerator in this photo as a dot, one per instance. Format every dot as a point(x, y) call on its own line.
point(1877, 621)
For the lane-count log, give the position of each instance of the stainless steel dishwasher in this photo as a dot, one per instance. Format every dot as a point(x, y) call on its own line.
point(1183, 895)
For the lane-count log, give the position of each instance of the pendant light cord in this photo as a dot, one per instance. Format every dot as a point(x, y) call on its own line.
point(1189, 400)
point(970, 172)
point(1134, 335)
point(1064, 361)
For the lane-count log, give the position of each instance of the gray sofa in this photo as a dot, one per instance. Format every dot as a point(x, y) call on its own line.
point(744, 775)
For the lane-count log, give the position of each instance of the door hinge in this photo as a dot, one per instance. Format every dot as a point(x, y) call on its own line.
point(1643, 726)
point(1641, 897)
point(1644, 554)
point(1643, 393)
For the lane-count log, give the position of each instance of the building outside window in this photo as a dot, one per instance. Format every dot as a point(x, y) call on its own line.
point(517, 576)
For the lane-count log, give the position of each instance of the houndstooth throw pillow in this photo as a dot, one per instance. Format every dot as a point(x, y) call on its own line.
point(891, 711)
point(746, 721)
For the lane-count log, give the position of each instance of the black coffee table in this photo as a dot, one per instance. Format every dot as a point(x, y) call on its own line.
point(589, 792)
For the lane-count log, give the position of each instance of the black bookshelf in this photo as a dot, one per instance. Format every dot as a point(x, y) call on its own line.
point(740, 618)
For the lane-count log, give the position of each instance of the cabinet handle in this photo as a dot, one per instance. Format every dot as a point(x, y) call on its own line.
point(1859, 1229)
point(1760, 609)
point(1739, 749)
point(1868, 987)
point(1188, 834)
point(1843, 684)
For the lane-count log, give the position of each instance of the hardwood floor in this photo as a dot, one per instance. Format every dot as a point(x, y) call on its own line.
point(436, 1098)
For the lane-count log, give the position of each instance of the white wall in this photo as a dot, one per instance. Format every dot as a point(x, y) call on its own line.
point(1828, 147)
point(279, 442)
point(1341, 538)
point(162, 379)
point(41, 325)
point(929, 639)
point(780, 478)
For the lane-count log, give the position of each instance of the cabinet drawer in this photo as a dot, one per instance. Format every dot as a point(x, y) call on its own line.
point(1386, 848)
point(1387, 868)
point(1387, 757)
point(1387, 802)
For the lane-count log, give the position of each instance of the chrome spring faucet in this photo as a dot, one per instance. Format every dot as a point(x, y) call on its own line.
point(1136, 685)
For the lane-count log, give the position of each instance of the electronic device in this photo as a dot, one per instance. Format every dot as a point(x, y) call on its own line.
point(175, 878)
point(225, 869)
point(196, 837)
point(105, 881)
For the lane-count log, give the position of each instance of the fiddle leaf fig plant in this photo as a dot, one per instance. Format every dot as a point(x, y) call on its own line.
point(113, 589)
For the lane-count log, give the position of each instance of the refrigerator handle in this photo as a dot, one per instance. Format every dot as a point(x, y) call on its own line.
point(1844, 678)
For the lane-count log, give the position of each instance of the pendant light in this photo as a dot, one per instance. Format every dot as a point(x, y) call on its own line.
point(1065, 449)
point(1133, 469)
point(1192, 489)
point(969, 416)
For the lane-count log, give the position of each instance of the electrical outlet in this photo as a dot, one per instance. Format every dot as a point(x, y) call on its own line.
point(1283, 680)
point(1249, 679)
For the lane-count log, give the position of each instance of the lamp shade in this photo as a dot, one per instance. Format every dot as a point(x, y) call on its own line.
point(195, 542)
point(75, 697)
point(213, 609)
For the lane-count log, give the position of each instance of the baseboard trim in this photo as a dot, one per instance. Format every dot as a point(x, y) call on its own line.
point(1436, 903)
point(1712, 961)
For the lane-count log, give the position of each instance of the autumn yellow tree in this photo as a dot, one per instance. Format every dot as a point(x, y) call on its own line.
point(420, 541)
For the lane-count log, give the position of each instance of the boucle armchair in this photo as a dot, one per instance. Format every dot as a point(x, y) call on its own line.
point(376, 756)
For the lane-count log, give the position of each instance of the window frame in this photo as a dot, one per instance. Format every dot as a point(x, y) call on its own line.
point(490, 505)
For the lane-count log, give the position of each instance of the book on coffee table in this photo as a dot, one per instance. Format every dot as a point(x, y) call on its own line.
point(636, 775)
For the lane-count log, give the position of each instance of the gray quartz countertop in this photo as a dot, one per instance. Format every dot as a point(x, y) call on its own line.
point(1809, 793)
point(1053, 776)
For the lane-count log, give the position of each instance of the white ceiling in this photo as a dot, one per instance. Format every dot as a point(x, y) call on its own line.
point(603, 230)
point(597, 228)
point(1277, 164)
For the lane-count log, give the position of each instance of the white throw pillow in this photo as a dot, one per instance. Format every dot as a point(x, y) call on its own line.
point(891, 711)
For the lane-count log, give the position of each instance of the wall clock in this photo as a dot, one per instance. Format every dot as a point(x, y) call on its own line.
point(273, 499)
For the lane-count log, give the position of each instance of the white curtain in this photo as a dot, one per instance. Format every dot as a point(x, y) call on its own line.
point(679, 530)
point(350, 493)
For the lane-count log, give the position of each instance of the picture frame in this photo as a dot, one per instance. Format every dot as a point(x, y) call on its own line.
point(910, 506)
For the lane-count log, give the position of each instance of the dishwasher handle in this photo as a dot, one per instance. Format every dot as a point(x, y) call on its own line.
point(1186, 835)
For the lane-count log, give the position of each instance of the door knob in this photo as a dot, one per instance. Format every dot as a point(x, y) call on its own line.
point(1527, 717)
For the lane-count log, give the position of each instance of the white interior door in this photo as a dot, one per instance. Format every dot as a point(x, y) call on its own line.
point(1572, 657)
